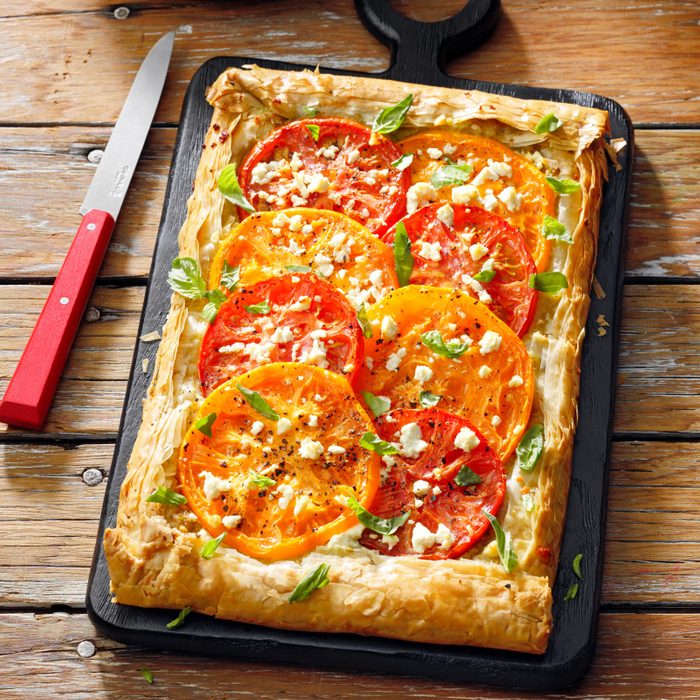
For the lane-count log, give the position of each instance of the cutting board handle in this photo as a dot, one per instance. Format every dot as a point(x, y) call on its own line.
point(420, 50)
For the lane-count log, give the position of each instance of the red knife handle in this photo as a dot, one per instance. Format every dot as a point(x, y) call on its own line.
point(31, 389)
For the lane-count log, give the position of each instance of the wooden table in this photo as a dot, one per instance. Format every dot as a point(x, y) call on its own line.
point(65, 69)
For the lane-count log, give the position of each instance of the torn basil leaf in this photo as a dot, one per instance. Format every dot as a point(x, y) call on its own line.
point(504, 544)
point(362, 319)
point(311, 111)
point(450, 175)
point(485, 275)
point(550, 122)
point(372, 442)
point(428, 400)
point(230, 276)
point(261, 307)
point(576, 565)
point(548, 282)
point(564, 186)
point(377, 404)
point(391, 118)
point(572, 592)
point(314, 130)
point(452, 348)
point(216, 298)
point(466, 477)
point(207, 551)
point(384, 526)
point(186, 279)
point(231, 190)
point(403, 258)
point(318, 578)
point(555, 230)
point(204, 424)
point(174, 624)
point(148, 676)
point(258, 403)
point(166, 497)
point(530, 448)
point(297, 268)
point(259, 481)
point(403, 162)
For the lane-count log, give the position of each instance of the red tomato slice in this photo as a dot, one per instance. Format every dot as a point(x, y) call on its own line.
point(457, 508)
point(308, 321)
point(442, 257)
point(346, 169)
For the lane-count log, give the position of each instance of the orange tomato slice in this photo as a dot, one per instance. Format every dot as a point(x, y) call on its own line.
point(313, 461)
point(333, 245)
point(491, 384)
point(535, 198)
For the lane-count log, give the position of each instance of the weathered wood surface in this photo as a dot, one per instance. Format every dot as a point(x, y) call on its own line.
point(79, 60)
point(663, 237)
point(49, 518)
point(659, 369)
point(40, 658)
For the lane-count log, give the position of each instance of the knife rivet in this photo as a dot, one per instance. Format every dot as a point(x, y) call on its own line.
point(121, 12)
point(63, 300)
point(92, 477)
point(91, 227)
point(95, 156)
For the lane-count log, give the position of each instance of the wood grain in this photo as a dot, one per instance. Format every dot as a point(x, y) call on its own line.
point(40, 656)
point(49, 518)
point(81, 61)
point(663, 238)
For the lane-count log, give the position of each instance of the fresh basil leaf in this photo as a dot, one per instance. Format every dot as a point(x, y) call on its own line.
point(216, 298)
point(449, 175)
point(166, 497)
point(428, 400)
point(362, 319)
point(391, 118)
point(204, 424)
point(572, 592)
point(485, 275)
point(262, 307)
point(384, 526)
point(403, 258)
point(530, 448)
point(372, 442)
point(311, 111)
point(229, 187)
point(230, 276)
point(550, 122)
point(260, 481)
point(466, 477)
point(452, 348)
point(297, 268)
point(548, 282)
point(174, 624)
point(314, 130)
point(564, 186)
point(207, 551)
point(576, 565)
point(504, 544)
point(403, 162)
point(318, 578)
point(553, 229)
point(148, 676)
point(186, 279)
point(377, 404)
point(210, 312)
point(258, 403)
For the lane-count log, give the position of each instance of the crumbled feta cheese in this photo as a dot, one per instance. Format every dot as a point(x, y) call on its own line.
point(300, 504)
point(317, 353)
point(310, 449)
point(295, 162)
point(280, 221)
point(446, 214)
point(257, 427)
point(214, 486)
point(466, 440)
point(420, 488)
point(390, 540)
point(430, 251)
point(234, 347)
point(489, 342)
point(510, 198)
point(376, 277)
point(285, 493)
point(295, 223)
point(484, 371)
point(282, 334)
point(336, 450)
point(436, 490)
point(324, 265)
point(422, 538)
point(449, 149)
point(394, 360)
point(489, 202)
point(477, 251)
point(230, 521)
point(313, 421)
point(423, 373)
point(411, 443)
point(303, 304)
point(484, 296)
point(283, 425)
point(353, 156)
point(493, 171)
point(496, 421)
point(465, 194)
point(515, 381)
point(419, 195)
point(369, 363)
point(434, 153)
point(444, 537)
point(260, 352)
point(319, 183)
point(389, 328)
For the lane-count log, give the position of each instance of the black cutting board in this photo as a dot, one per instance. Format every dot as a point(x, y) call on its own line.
point(418, 52)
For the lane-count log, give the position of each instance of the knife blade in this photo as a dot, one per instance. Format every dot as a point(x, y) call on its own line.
point(33, 384)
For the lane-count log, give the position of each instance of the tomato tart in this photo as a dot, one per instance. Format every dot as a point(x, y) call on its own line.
point(362, 413)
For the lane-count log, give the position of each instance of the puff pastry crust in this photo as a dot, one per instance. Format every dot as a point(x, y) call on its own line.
point(153, 553)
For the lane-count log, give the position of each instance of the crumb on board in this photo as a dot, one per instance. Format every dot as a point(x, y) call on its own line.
point(598, 289)
point(144, 365)
point(602, 323)
point(150, 337)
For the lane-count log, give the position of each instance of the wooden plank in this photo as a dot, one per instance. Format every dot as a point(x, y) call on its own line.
point(40, 655)
point(49, 518)
point(37, 237)
point(58, 56)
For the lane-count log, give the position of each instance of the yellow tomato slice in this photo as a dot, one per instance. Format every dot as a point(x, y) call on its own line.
point(312, 454)
point(532, 199)
point(491, 383)
point(333, 245)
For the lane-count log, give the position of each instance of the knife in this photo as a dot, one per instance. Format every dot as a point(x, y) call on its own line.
point(32, 387)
